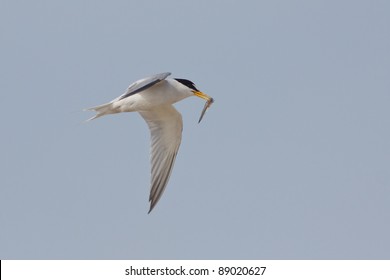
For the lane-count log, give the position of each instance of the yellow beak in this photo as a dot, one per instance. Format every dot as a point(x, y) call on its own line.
point(209, 101)
point(203, 96)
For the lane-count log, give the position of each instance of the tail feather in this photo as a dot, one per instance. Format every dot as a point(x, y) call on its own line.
point(100, 110)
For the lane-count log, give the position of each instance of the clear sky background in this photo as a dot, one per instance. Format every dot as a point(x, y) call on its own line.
point(291, 161)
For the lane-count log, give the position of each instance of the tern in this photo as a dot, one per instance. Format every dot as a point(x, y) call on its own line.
point(153, 97)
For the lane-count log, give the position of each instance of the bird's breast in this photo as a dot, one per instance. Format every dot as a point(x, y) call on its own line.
point(159, 95)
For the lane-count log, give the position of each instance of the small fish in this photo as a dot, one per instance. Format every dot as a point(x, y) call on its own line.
point(206, 106)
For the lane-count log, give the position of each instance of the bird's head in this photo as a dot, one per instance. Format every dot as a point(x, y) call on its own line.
point(192, 90)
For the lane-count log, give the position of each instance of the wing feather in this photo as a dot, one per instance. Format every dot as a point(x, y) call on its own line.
point(166, 125)
point(143, 84)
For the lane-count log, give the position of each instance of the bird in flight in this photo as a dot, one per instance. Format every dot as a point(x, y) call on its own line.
point(153, 97)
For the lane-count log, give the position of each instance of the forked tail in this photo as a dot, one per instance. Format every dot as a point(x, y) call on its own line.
point(100, 110)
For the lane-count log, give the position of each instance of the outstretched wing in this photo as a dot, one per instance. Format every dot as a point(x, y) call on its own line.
point(143, 84)
point(166, 125)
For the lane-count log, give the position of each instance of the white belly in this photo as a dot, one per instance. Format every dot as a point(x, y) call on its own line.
point(160, 94)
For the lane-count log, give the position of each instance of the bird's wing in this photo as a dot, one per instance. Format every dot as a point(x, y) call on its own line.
point(143, 84)
point(166, 125)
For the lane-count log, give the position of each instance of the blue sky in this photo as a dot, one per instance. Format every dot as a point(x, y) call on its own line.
point(291, 161)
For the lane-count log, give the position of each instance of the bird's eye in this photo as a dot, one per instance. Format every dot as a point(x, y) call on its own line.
point(187, 83)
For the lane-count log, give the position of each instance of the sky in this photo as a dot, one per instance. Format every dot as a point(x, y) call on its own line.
point(291, 161)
